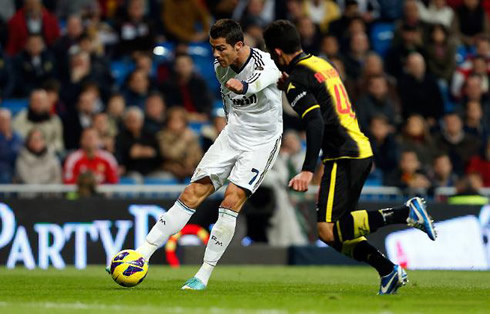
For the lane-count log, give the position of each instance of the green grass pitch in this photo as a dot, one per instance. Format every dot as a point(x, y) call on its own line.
point(242, 289)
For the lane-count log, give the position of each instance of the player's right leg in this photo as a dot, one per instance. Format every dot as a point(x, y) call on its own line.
point(177, 216)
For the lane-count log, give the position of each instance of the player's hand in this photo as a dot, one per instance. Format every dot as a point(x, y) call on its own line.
point(301, 181)
point(234, 85)
point(283, 81)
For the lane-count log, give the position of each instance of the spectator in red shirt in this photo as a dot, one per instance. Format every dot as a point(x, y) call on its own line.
point(481, 165)
point(91, 158)
point(31, 19)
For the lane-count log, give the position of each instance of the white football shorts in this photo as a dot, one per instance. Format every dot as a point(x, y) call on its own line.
point(244, 168)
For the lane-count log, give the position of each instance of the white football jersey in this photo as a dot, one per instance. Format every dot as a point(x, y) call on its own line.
point(254, 117)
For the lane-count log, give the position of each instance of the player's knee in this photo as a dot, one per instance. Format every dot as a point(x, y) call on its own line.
point(188, 196)
point(234, 199)
point(194, 194)
point(325, 232)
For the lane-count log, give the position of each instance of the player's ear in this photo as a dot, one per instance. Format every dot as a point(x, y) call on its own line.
point(239, 45)
point(278, 52)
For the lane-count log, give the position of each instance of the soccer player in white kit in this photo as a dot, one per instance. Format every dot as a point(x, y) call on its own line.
point(243, 153)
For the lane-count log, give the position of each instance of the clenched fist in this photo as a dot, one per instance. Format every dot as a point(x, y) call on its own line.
point(235, 86)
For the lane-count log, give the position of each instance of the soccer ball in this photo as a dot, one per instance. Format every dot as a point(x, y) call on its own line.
point(128, 268)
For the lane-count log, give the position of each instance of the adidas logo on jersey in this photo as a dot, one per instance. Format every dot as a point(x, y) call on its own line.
point(244, 101)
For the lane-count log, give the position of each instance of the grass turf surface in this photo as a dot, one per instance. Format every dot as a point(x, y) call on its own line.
point(246, 289)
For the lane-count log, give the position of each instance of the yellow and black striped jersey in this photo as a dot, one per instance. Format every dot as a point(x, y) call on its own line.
point(315, 84)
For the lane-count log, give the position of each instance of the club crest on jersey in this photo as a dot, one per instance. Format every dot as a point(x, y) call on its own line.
point(244, 101)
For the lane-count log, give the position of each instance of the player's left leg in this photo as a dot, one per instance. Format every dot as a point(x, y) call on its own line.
point(361, 250)
point(221, 235)
point(339, 192)
point(361, 222)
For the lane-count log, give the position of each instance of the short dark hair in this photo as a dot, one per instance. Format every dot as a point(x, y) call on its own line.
point(182, 55)
point(156, 93)
point(282, 34)
point(440, 154)
point(52, 85)
point(227, 29)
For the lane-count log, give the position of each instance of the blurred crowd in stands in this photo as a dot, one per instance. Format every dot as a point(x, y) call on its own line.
point(124, 89)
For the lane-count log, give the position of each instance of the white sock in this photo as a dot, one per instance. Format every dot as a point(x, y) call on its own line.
point(168, 224)
point(220, 238)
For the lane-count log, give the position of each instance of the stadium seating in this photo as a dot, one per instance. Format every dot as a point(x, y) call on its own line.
point(127, 181)
point(159, 181)
point(15, 105)
point(120, 70)
point(202, 55)
point(381, 37)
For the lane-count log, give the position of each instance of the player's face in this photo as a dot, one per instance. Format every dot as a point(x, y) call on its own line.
point(277, 56)
point(225, 53)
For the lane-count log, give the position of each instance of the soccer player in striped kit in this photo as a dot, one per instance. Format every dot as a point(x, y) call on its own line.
point(243, 152)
